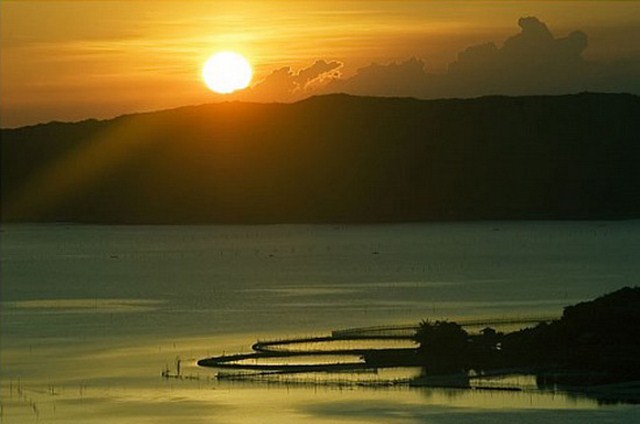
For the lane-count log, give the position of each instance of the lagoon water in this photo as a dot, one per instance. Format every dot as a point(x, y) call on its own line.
point(91, 315)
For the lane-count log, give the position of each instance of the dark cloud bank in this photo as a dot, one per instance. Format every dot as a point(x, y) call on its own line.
point(531, 62)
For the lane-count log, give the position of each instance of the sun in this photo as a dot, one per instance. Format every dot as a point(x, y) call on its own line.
point(226, 72)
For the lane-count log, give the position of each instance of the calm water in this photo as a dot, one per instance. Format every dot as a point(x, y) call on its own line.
point(92, 314)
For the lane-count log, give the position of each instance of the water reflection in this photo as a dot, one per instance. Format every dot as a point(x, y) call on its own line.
point(90, 306)
point(119, 383)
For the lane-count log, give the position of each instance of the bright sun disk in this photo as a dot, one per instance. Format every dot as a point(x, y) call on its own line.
point(226, 72)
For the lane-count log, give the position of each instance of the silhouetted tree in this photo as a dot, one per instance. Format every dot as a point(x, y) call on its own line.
point(444, 347)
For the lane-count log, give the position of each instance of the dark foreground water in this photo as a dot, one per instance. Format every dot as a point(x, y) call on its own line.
point(91, 315)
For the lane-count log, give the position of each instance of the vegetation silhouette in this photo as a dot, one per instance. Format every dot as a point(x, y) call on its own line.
point(334, 158)
point(444, 347)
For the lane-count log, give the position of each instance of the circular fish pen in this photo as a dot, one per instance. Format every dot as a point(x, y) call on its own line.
point(354, 356)
point(382, 355)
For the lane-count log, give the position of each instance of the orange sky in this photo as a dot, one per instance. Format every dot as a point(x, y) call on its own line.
point(79, 59)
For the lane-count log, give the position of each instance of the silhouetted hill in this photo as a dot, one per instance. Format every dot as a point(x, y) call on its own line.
point(594, 342)
point(333, 158)
point(599, 336)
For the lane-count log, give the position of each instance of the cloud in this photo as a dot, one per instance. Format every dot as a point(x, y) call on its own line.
point(319, 70)
point(394, 79)
point(531, 62)
point(284, 84)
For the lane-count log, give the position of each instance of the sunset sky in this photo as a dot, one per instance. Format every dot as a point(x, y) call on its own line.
point(82, 59)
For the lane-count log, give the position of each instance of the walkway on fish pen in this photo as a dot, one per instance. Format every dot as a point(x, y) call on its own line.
point(409, 330)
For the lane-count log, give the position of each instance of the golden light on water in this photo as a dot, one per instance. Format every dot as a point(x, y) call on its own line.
point(226, 72)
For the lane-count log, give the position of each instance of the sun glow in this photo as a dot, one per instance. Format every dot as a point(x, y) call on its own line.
point(226, 72)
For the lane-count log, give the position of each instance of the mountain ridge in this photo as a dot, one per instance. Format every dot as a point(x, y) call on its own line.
point(310, 99)
point(333, 158)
